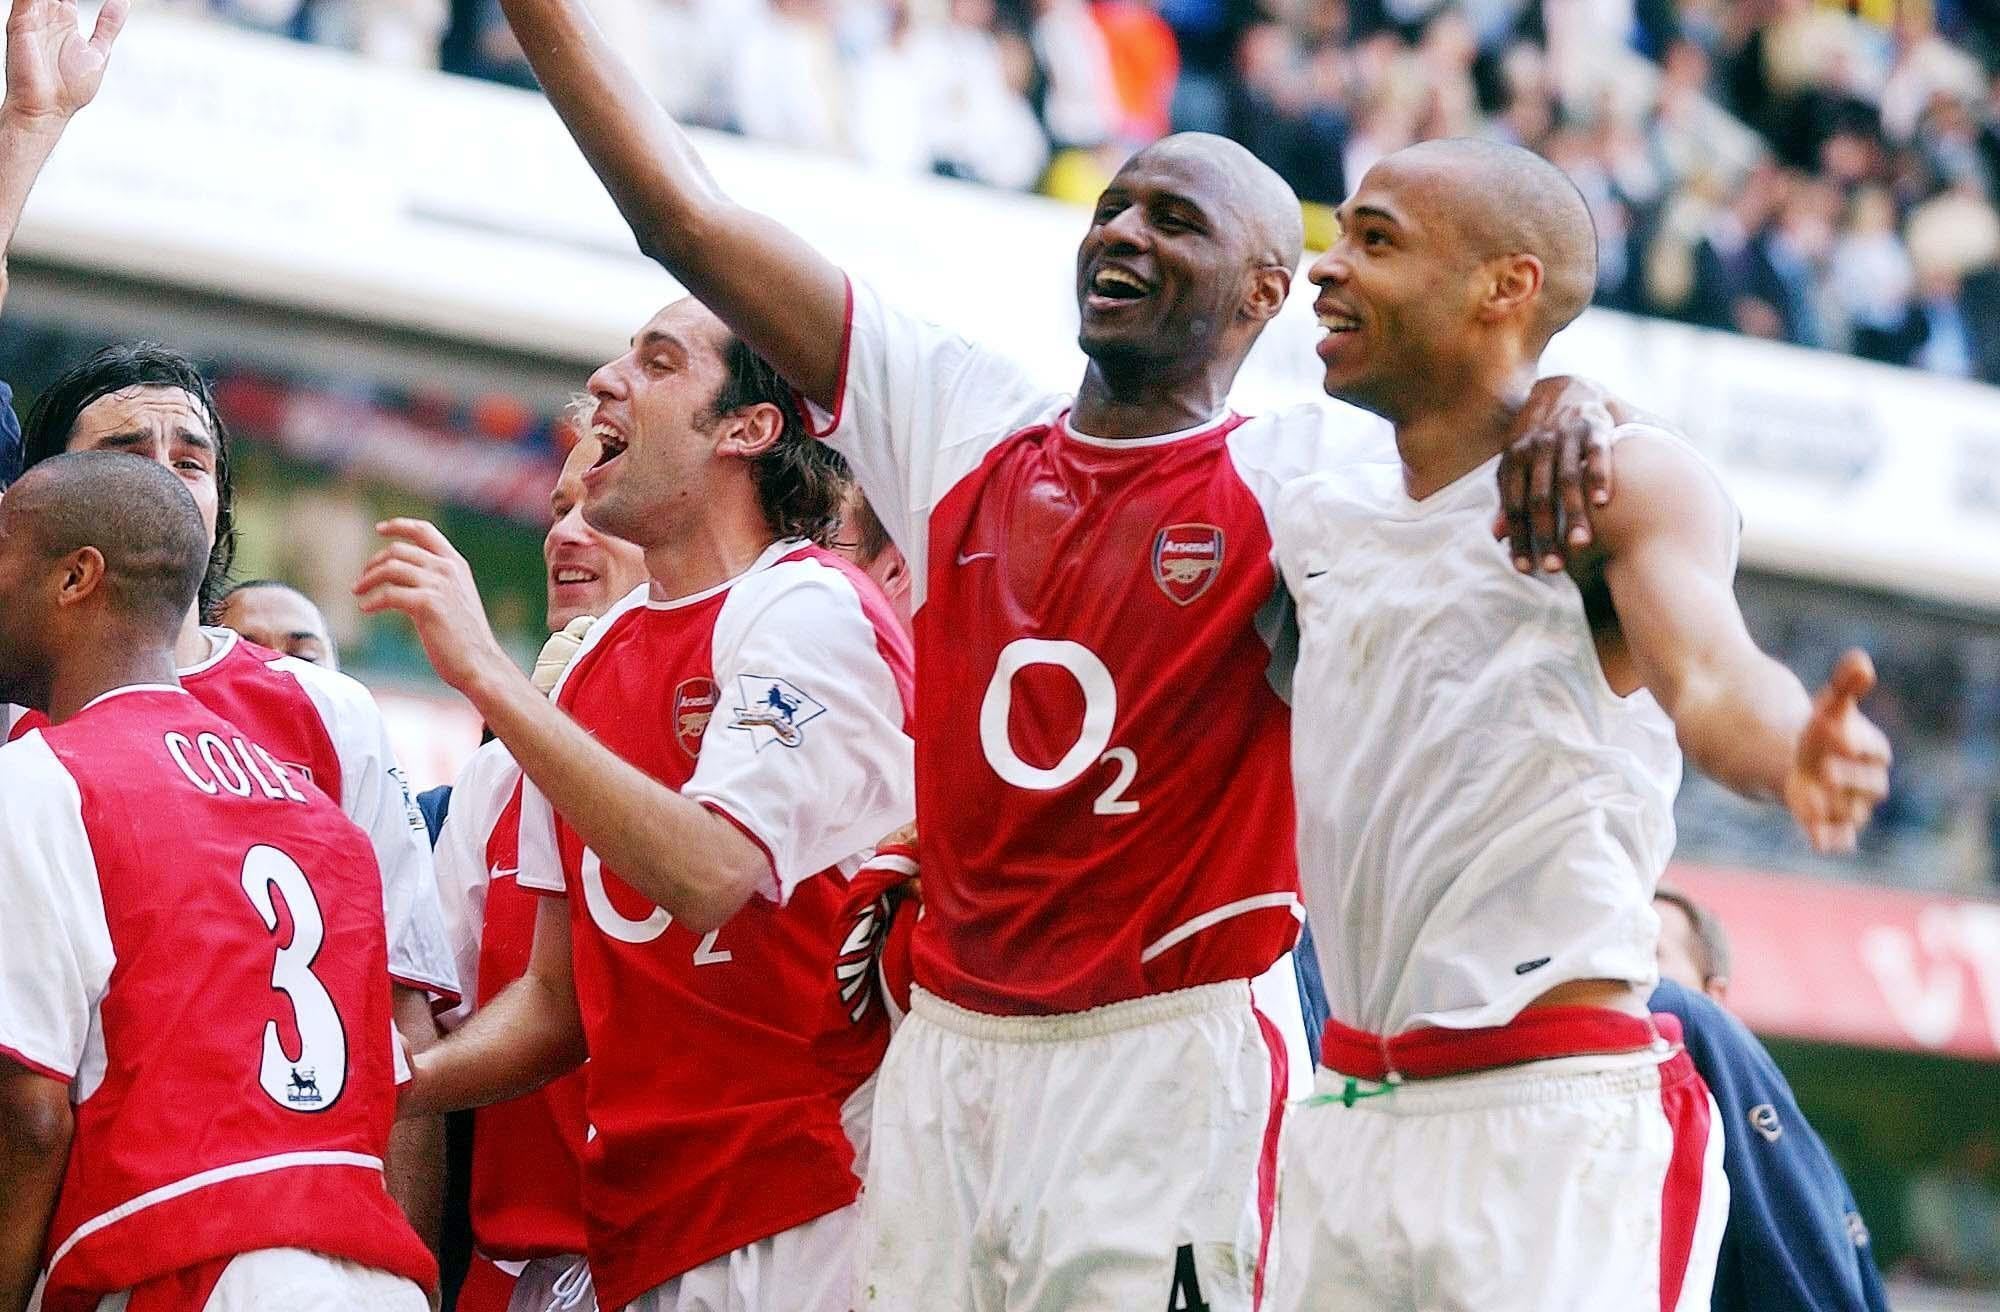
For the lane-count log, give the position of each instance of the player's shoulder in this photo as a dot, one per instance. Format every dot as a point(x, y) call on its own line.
point(39, 791)
point(484, 783)
point(809, 600)
point(1660, 481)
point(338, 697)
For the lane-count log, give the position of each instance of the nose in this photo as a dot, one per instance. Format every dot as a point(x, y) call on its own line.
point(1330, 269)
point(1127, 230)
point(609, 380)
point(568, 531)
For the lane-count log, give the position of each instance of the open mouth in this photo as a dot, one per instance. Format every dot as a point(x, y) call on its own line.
point(1335, 322)
point(1110, 286)
point(611, 444)
point(573, 576)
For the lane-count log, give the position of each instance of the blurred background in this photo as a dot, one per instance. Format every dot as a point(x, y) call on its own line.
point(387, 253)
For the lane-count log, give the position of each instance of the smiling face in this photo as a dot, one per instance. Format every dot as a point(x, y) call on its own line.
point(1174, 257)
point(652, 419)
point(1395, 294)
point(165, 425)
point(587, 570)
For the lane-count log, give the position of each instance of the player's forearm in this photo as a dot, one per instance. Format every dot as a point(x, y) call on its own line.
point(775, 291)
point(693, 864)
point(526, 1036)
point(1740, 724)
point(25, 146)
point(414, 1168)
point(34, 1148)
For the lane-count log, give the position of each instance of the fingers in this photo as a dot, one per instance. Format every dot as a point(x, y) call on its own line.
point(1597, 467)
point(1569, 482)
point(110, 22)
point(1514, 508)
point(418, 532)
point(1542, 508)
point(1853, 675)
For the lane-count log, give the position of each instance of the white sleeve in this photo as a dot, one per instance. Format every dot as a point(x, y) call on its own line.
point(374, 796)
point(55, 947)
point(807, 752)
point(918, 408)
point(478, 797)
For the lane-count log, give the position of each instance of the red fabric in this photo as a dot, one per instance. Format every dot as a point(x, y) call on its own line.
point(190, 1013)
point(1267, 1157)
point(746, 1108)
point(1153, 565)
point(526, 1197)
point(1145, 64)
point(1538, 1034)
point(486, 1289)
point(868, 915)
point(1684, 1102)
point(183, 1291)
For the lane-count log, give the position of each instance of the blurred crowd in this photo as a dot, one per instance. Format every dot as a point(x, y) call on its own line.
point(1817, 173)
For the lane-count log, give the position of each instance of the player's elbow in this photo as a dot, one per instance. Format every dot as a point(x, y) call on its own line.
point(35, 1118)
point(735, 872)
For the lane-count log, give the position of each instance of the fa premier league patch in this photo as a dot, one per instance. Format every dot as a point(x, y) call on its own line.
point(772, 710)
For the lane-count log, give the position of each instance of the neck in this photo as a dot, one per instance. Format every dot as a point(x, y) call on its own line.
point(714, 550)
point(1441, 445)
point(119, 660)
point(191, 645)
point(1116, 403)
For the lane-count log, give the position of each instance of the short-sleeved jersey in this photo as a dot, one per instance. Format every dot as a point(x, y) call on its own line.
point(526, 1198)
point(1102, 780)
point(780, 701)
point(327, 727)
point(194, 944)
point(1481, 817)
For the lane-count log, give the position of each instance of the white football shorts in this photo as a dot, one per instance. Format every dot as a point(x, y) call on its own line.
point(1118, 1158)
point(1578, 1184)
point(808, 1268)
point(301, 1281)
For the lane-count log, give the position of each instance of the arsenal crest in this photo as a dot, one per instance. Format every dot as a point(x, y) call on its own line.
point(694, 703)
point(1186, 559)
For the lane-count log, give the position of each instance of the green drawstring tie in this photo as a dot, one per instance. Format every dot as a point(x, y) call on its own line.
point(1354, 1093)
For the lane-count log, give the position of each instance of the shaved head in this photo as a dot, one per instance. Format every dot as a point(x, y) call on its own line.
point(1504, 201)
point(132, 512)
point(1248, 188)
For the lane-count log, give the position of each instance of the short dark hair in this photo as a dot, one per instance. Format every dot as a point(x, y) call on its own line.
point(1709, 934)
point(139, 518)
point(138, 364)
point(800, 480)
point(874, 535)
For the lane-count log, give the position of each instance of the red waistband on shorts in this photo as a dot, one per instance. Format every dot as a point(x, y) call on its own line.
point(1538, 1034)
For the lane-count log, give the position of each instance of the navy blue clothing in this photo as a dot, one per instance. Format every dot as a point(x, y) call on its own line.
point(435, 803)
point(10, 438)
point(1795, 1239)
point(1312, 993)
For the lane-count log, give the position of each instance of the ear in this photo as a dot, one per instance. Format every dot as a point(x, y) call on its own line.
point(751, 431)
point(895, 575)
point(81, 574)
point(1513, 282)
point(1269, 286)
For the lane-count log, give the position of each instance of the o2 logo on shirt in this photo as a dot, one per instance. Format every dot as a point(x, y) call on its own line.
point(694, 706)
point(772, 710)
point(1187, 558)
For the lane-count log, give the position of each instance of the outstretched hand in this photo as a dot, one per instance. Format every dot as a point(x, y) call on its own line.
point(1556, 466)
point(53, 70)
point(422, 575)
point(1841, 770)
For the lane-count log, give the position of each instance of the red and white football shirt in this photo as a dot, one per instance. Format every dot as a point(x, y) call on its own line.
point(1103, 792)
point(194, 944)
point(327, 727)
point(780, 701)
point(527, 1153)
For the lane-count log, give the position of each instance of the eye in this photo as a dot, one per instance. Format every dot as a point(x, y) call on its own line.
point(191, 464)
point(1374, 237)
point(1107, 211)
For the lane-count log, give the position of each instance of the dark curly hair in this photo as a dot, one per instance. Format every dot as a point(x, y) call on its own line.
point(139, 364)
point(800, 480)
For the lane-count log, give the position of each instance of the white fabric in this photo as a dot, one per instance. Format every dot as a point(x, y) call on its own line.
point(294, 1280)
point(554, 1284)
point(1531, 1189)
point(56, 954)
point(374, 795)
point(808, 1268)
point(847, 780)
point(1150, 1117)
point(478, 795)
point(1480, 817)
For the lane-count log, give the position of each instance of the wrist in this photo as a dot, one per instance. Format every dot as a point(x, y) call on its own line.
point(32, 124)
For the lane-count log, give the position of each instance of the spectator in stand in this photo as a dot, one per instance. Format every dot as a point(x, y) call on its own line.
point(1795, 1241)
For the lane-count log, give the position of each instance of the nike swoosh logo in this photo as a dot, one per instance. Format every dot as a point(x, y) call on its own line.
point(966, 558)
point(1314, 573)
point(509, 872)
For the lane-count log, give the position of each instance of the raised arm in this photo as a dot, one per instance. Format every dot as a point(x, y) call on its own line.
point(773, 290)
point(53, 70)
point(1669, 560)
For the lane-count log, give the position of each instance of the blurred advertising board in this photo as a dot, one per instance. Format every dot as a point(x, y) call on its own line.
point(1858, 964)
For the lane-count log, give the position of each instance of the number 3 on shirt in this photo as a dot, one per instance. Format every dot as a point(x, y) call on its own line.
point(1100, 713)
point(313, 1082)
